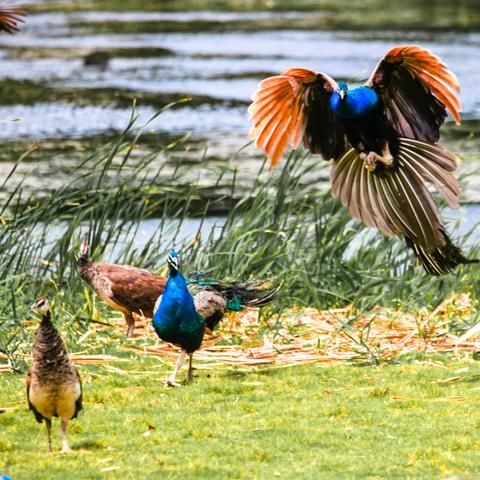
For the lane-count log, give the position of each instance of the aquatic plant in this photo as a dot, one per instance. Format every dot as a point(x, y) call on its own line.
point(282, 227)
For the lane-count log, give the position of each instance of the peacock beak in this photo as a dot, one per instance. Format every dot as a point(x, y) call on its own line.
point(342, 94)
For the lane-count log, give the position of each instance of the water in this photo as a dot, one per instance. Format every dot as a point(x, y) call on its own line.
point(185, 48)
point(459, 222)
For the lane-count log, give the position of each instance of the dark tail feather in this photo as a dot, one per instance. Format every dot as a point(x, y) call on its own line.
point(238, 295)
point(443, 259)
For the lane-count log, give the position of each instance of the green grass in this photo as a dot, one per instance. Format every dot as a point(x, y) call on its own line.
point(309, 422)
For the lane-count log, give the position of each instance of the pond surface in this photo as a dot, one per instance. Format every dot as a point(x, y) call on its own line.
point(215, 53)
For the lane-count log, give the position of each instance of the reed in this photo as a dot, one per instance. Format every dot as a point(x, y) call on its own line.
point(283, 228)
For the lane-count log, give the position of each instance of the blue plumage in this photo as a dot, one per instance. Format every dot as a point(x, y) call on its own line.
point(355, 103)
point(182, 319)
point(176, 320)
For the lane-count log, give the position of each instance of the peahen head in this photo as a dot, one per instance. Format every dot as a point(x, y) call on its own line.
point(85, 249)
point(41, 305)
point(342, 89)
point(173, 264)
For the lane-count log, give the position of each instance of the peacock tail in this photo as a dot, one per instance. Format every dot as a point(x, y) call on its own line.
point(238, 295)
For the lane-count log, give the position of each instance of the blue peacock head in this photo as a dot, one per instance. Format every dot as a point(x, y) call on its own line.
point(342, 89)
point(173, 264)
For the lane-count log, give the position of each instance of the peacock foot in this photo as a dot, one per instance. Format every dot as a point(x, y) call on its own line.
point(370, 159)
point(66, 449)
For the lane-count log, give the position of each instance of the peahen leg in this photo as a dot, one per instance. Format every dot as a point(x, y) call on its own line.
point(48, 423)
point(130, 324)
point(171, 381)
point(65, 447)
point(190, 368)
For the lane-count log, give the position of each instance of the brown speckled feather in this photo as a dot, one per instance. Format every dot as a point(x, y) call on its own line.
point(396, 200)
point(126, 288)
point(133, 288)
point(211, 306)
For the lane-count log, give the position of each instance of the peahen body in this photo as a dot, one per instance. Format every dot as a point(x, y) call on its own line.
point(382, 137)
point(54, 388)
point(182, 318)
point(130, 290)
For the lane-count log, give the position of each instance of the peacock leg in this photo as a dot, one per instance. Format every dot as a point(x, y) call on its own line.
point(370, 159)
point(171, 381)
point(387, 157)
point(48, 423)
point(190, 368)
point(65, 447)
point(130, 324)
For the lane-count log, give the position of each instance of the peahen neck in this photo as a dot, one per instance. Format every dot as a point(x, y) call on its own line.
point(49, 348)
point(83, 262)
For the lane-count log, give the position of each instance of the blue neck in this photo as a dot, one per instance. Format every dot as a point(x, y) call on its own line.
point(176, 300)
point(355, 104)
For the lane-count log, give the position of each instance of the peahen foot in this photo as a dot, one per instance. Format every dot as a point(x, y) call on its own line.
point(130, 325)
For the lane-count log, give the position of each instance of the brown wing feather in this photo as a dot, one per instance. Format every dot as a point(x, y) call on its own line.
point(10, 17)
point(133, 288)
point(416, 87)
point(211, 306)
point(38, 416)
point(292, 106)
point(78, 403)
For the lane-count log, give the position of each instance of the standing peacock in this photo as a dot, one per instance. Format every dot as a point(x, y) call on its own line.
point(54, 388)
point(383, 139)
point(181, 318)
point(10, 17)
point(128, 289)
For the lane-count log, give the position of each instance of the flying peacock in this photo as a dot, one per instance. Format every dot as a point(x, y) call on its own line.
point(182, 318)
point(382, 137)
point(10, 17)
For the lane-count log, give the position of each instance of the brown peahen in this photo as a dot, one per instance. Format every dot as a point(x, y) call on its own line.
point(54, 388)
point(128, 289)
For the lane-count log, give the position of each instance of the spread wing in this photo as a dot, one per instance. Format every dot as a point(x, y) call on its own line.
point(133, 288)
point(294, 106)
point(416, 88)
point(10, 17)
